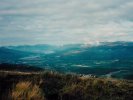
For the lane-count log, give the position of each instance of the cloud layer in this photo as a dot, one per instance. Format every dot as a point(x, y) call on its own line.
point(65, 21)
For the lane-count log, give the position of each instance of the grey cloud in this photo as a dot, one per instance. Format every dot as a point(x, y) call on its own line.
point(66, 21)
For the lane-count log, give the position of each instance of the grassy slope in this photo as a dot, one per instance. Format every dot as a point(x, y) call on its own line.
point(54, 86)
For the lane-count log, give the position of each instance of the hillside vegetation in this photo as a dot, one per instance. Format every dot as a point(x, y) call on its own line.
point(46, 85)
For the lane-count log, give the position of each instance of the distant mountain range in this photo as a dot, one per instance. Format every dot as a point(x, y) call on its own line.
point(7, 55)
point(102, 59)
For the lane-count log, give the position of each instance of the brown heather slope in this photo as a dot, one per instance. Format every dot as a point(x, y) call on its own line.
point(16, 85)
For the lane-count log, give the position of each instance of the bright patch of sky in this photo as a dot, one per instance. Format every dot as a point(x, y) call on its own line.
point(65, 21)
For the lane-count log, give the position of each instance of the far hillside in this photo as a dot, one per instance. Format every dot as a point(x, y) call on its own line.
point(106, 59)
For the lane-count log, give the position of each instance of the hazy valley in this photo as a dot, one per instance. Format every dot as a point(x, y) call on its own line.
point(108, 59)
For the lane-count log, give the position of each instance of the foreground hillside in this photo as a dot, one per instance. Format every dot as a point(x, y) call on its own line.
point(31, 85)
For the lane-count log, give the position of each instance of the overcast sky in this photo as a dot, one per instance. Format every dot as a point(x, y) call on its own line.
point(65, 21)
